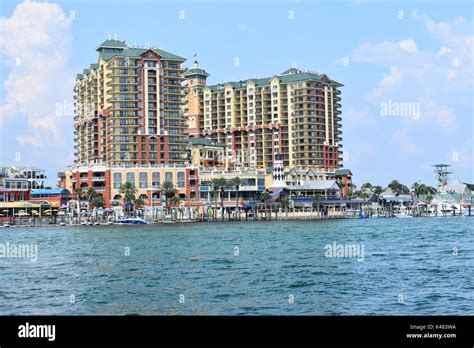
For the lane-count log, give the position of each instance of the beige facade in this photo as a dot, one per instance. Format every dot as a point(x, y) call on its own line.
point(296, 114)
point(129, 107)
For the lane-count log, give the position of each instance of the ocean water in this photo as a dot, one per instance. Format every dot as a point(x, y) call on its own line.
point(419, 266)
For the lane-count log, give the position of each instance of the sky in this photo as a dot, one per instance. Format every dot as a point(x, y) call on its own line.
point(407, 69)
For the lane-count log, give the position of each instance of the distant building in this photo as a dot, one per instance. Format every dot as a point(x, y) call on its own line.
point(16, 182)
point(57, 197)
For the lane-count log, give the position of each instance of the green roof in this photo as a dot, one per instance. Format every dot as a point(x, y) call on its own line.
point(204, 142)
point(112, 44)
point(342, 172)
point(137, 52)
point(195, 72)
point(288, 76)
point(94, 66)
point(291, 71)
point(79, 76)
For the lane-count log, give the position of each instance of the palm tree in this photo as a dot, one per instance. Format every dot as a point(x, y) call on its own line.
point(90, 195)
point(429, 198)
point(139, 202)
point(367, 185)
point(377, 189)
point(395, 186)
point(129, 190)
point(169, 190)
point(218, 184)
point(416, 188)
point(98, 201)
point(285, 203)
point(237, 182)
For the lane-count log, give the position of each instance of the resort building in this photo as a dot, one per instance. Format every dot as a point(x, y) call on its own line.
point(16, 182)
point(128, 108)
point(296, 114)
point(106, 181)
point(56, 197)
point(142, 118)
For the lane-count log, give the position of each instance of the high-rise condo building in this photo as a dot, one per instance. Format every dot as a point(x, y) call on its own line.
point(295, 114)
point(128, 108)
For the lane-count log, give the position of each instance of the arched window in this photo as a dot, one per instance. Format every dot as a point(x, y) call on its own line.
point(143, 180)
point(131, 177)
point(155, 179)
point(117, 180)
point(169, 176)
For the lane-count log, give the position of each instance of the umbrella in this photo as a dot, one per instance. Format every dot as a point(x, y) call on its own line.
point(63, 207)
point(5, 210)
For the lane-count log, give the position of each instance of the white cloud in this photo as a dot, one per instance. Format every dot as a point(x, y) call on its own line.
point(29, 140)
point(408, 45)
point(394, 78)
point(36, 41)
point(429, 77)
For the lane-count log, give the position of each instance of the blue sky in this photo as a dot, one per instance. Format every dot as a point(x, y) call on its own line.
point(385, 53)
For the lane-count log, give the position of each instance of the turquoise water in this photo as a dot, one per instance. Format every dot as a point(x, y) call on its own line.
point(409, 266)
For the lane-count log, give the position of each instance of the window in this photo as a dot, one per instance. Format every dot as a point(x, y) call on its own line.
point(180, 179)
point(169, 176)
point(117, 180)
point(143, 180)
point(130, 177)
point(155, 179)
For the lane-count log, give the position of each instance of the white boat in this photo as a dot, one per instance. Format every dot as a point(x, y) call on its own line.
point(403, 216)
point(132, 221)
point(403, 213)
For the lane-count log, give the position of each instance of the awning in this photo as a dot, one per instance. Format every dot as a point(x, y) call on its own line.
point(19, 205)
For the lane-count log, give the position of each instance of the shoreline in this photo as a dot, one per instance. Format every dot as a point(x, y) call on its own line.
point(227, 221)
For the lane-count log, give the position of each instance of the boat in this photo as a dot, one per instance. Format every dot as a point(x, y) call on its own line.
point(403, 213)
point(6, 225)
point(377, 216)
point(132, 221)
point(403, 216)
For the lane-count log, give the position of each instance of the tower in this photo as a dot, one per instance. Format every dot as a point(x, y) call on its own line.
point(195, 82)
point(442, 175)
point(278, 177)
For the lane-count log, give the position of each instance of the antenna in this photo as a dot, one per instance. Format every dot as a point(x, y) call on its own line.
point(115, 36)
point(109, 35)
